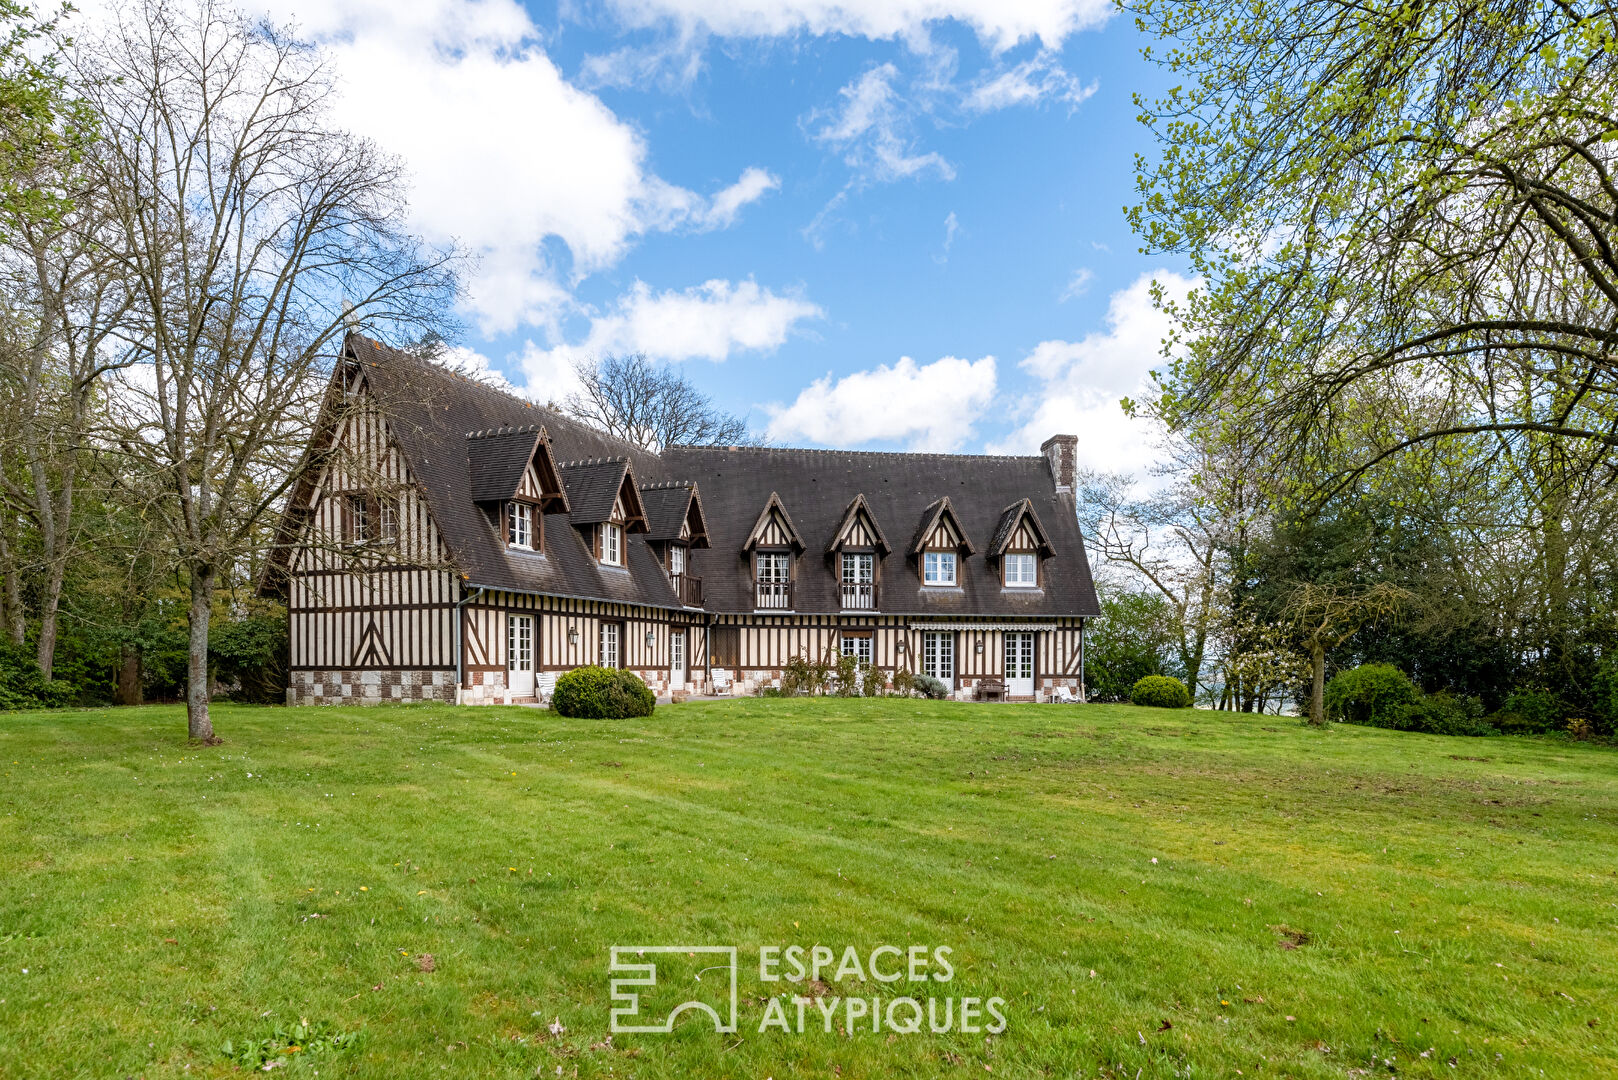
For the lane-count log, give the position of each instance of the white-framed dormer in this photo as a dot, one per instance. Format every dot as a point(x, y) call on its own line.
point(856, 551)
point(523, 526)
point(605, 507)
point(610, 536)
point(772, 547)
point(941, 547)
point(1020, 546)
point(514, 479)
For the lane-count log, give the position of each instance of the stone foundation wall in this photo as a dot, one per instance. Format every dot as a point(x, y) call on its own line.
point(345, 687)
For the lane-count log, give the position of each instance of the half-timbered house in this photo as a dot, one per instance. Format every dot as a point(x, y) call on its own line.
point(446, 541)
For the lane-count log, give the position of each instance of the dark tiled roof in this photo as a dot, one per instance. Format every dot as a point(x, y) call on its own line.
point(817, 486)
point(1008, 525)
point(667, 507)
point(497, 459)
point(593, 486)
point(432, 410)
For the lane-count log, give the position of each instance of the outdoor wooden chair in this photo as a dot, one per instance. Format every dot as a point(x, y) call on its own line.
point(991, 690)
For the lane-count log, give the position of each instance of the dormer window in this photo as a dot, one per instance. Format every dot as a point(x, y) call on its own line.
point(520, 525)
point(1020, 542)
point(612, 544)
point(939, 546)
point(1022, 570)
point(938, 568)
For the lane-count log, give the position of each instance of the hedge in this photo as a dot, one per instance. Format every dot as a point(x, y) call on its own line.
point(1376, 695)
point(596, 693)
point(1162, 692)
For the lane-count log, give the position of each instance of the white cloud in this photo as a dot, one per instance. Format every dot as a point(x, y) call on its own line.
point(870, 128)
point(999, 24)
point(754, 184)
point(1036, 79)
point(1077, 286)
point(504, 153)
point(925, 406)
point(1081, 382)
point(706, 322)
point(952, 225)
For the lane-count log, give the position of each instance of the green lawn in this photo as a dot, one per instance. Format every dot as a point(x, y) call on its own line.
point(1128, 881)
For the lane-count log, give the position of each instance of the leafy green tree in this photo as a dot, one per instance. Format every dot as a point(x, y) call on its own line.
point(1402, 214)
point(1132, 639)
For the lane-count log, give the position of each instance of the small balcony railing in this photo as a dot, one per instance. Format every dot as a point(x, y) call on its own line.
point(859, 596)
point(688, 589)
point(773, 596)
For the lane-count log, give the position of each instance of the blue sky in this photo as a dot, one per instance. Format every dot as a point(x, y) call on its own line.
point(886, 224)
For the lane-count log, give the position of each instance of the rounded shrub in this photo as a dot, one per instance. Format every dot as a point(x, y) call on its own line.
point(1161, 692)
point(927, 686)
point(1378, 695)
point(596, 693)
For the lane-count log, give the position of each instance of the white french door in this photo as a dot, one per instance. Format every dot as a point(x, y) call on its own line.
point(520, 655)
point(676, 659)
point(1020, 664)
point(938, 656)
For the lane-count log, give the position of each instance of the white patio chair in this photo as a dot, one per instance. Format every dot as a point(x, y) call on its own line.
point(1063, 695)
point(721, 681)
point(544, 686)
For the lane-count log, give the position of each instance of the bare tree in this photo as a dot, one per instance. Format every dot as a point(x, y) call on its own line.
point(252, 230)
point(650, 405)
point(65, 279)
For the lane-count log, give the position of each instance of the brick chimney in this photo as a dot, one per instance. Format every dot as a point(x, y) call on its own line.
point(1062, 453)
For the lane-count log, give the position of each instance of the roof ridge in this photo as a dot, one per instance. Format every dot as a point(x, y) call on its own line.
point(615, 459)
point(860, 453)
point(506, 429)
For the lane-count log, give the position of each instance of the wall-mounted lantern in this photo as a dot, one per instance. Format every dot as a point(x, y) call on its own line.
point(572, 635)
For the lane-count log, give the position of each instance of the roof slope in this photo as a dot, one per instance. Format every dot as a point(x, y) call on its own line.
point(432, 410)
point(593, 486)
point(498, 459)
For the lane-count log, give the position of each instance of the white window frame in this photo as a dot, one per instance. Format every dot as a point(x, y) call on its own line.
point(933, 567)
point(1027, 564)
point(359, 519)
point(608, 655)
point(777, 581)
point(676, 559)
point(612, 544)
point(858, 646)
point(520, 525)
point(387, 524)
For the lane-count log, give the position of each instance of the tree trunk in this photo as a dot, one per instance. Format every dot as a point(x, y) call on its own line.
point(128, 691)
point(49, 604)
point(16, 617)
point(1317, 689)
point(198, 722)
